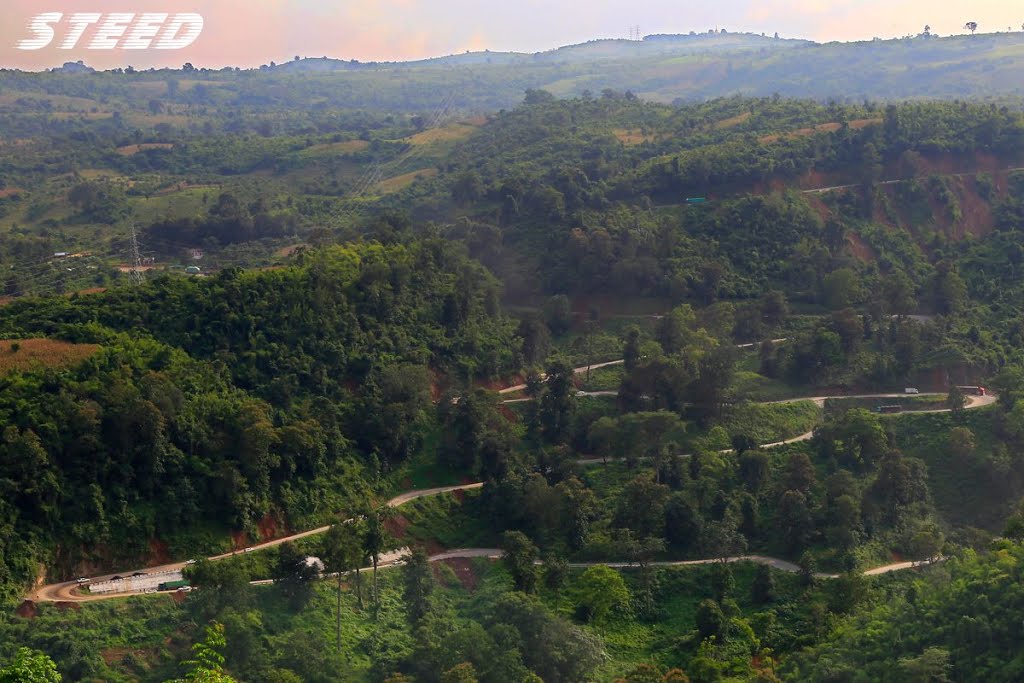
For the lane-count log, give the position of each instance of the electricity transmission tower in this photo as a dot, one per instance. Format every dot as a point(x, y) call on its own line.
point(136, 269)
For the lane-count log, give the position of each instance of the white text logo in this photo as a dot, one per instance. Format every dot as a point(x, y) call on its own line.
point(124, 30)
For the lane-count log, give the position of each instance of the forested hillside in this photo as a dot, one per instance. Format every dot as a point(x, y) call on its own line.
point(728, 389)
point(266, 397)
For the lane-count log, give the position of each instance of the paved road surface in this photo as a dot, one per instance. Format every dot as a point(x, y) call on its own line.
point(68, 591)
point(596, 366)
point(773, 562)
point(579, 371)
point(972, 402)
point(821, 190)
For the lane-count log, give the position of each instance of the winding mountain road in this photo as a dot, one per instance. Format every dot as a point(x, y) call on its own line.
point(70, 591)
point(579, 371)
point(773, 562)
point(822, 190)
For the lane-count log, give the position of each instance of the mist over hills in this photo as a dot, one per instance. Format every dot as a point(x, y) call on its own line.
point(659, 68)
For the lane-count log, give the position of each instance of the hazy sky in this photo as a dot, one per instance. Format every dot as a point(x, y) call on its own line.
point(252, 33)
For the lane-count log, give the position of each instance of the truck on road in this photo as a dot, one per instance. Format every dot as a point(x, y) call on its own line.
point(173, 585)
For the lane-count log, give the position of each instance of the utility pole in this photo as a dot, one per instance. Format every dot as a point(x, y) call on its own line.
point(136, 270)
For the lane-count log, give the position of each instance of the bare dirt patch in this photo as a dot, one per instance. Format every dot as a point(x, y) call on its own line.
point(829, 127)
point(23, 354)
point(396, 525)
point(159, 553)
point(628, 136)
point(284, 252)
point(343, 147)
point(239, 540)
point(731, 121)
point(859, 248)
point(976, 213)
point(129, 150)
point(406, 179)
point(432, 547)
point(115, 655)
point(182, 186)
point(463, 568)
point(508, 413)
point(27, 610)
point(452, 132)
point(269, 527)
point(820, 207)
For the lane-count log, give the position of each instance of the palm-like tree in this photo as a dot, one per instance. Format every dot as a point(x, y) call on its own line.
point(374, 539)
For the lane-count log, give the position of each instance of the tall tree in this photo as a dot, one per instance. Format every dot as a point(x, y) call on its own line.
point(294, 576)
point(557, 403)
point(342, 552)
point(763, 588)
point(374, 540)
point(520, 557)
point(598, 591)
point(418, 582)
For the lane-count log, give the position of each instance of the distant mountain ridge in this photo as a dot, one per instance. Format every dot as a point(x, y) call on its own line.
point(593, 50)
point(660, 68)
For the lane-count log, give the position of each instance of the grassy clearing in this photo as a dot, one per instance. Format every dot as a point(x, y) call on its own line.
point(452, 520)
point(453, 132)
point(400, 182)
point(25, 354)
point(129, 150)
point(830, 127)
point(755, 387)
point(187, 202)
point(767, 423)
point(629, 136)
point(343, 147)
point(731, 121)
point(423, 470)
point(909, 403)
point(953, 477)
point(607, 378)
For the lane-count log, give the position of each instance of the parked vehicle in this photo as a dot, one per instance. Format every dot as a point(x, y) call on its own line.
point(173, 585)
point(911, 390)
point(83, 579)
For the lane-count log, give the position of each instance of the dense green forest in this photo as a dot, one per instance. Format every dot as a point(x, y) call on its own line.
point(242, 305)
